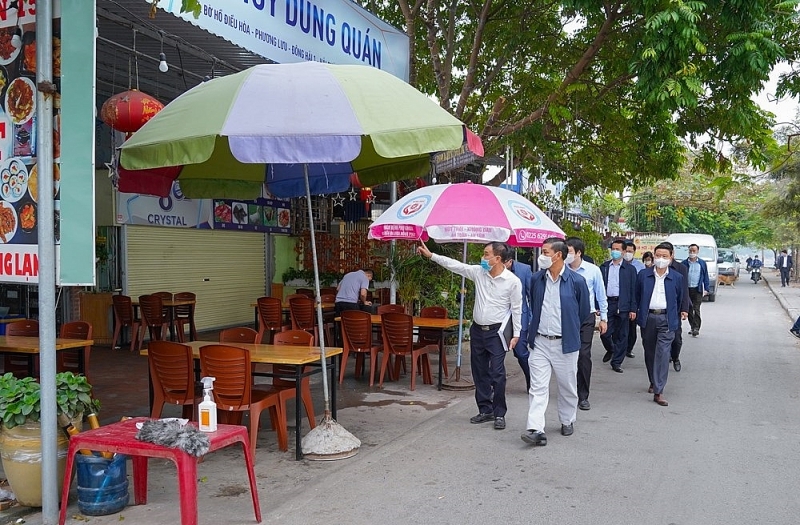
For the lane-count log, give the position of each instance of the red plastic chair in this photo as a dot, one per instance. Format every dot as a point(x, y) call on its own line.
point(184, 314)
point(172, 371)
point(398, 340)
point(270, 318)
point(123, 316)
point(70, 360)
point(234, 392)
point(432, 335)
point(15, 363)
point(153, 318)
point(357, 338)
point(304, 316)
point(285, 385)
point(391, 308)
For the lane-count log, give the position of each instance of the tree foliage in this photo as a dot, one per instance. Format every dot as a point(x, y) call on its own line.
point(601, 94)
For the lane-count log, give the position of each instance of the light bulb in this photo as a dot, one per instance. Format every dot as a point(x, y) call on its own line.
point(162, 65)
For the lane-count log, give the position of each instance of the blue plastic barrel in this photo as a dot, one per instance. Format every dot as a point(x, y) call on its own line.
point(102, 484)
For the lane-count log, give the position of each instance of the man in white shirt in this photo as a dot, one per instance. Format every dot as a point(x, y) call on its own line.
point(659, 295)
point(598, 304)
point(498, 293)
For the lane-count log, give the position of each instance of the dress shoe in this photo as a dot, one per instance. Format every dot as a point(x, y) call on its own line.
point(658, 398)
point(499, 423)
point(796, 334)
point(584, 404)
point(567, 430)
point(677, 365)
point(608, 356)
point(694, 333)
point(617, 369)
point(650, 390)
point(481, 418)
point(630, 355)
point(534, 437)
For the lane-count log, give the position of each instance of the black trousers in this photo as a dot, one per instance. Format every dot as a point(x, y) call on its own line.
point(785, 276)
point(487, 358)
point(585, 357)
point(694, 312)
point(677, 344)
point(615, 340)
point(631, 336)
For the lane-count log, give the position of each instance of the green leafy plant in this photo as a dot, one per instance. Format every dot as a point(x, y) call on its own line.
point(325, 278)
point(20, 398)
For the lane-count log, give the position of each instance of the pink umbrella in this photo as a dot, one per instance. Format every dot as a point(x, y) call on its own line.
point(464, 213)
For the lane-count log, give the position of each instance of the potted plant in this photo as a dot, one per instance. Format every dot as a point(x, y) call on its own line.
point(20, 430)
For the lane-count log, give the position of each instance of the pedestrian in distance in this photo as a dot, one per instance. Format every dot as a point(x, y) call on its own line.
point(698, 286)
point(498, 294)
point(785, 267)
point(559, 305)
point(598, 304)
point(647, 259)
point(523, 272)
point(351, 293)
point(629, 256)
point(619, 278)
point(659, 294)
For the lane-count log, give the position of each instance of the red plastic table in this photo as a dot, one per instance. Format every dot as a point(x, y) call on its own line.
point(120, 438)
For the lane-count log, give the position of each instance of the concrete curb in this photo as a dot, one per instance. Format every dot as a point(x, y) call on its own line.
point(793, 313)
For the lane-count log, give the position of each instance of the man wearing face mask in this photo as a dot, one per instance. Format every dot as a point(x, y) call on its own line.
point(498, 292)
point(698, 286)
point(597, 299)
point(559, 304)
point(523, 272)
point(659, 294)
point(628, 255)
point(677, 343)
point(619, 278)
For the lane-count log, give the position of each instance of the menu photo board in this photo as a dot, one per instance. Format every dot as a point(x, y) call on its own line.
point(260, 215)
point(19, 182)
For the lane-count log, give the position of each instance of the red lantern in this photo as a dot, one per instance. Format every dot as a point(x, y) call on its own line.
point(128, 111)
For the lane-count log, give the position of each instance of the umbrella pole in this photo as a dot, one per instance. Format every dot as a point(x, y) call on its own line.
point(328, 440)
point(455, 382)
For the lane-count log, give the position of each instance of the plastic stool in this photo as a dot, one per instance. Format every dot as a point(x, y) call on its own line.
point(120, 438)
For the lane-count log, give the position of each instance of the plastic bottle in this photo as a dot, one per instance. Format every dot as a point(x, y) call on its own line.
point(67, 426)
point(207, 410)
point(94, 423)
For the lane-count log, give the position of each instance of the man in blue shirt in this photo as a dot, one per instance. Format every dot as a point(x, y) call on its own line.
point(523, 272)
point(659, 296)
point(352, 290)
point(559, 302)
point(619, 278)
point(599, 307)
point(698, 286)
point(630, 257)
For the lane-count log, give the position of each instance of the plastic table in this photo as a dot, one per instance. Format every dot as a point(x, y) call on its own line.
point(120, 438)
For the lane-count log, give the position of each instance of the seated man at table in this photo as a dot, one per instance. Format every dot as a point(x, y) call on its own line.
point(352, 288)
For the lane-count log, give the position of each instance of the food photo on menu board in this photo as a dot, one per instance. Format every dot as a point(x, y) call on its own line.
point(261, 215)
point(19, 180)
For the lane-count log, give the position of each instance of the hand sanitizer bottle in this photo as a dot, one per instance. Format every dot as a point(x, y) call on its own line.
point(207, 410)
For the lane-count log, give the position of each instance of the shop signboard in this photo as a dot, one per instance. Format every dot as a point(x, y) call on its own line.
point(333, 31)
point(172, 211)
point(260, 215)
point(19, 180)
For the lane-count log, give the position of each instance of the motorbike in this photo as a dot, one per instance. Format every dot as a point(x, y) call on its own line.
point(755, 275)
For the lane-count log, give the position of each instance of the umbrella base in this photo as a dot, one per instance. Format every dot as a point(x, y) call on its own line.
point(456, 382)
point(329, 441)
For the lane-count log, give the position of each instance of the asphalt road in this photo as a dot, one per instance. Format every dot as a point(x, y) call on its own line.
point(724, 451)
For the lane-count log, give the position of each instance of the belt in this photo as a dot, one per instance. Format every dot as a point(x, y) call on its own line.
point(613, 298)
point(487, 327)
point(658, 311)
point(550, 337)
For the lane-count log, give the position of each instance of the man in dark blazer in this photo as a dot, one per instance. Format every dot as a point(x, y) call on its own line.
point(785, 266)
point(523, 271)
point(677, 343)
point(659, 295)
point(619, 278)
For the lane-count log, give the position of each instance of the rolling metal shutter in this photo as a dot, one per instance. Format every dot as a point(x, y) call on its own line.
point(226, 270)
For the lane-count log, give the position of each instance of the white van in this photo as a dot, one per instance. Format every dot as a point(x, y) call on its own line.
point(708, 252)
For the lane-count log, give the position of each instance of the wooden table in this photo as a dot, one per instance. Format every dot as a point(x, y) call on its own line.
point(445, 325)
point(171, 304)
point(29, 346)
point(297, 356)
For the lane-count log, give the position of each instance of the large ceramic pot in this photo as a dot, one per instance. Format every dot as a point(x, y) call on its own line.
point(21, 453)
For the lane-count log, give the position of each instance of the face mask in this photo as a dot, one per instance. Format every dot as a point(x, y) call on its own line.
point(545, 262)
point(616, 254)
point(570, 258)
point(693, 256)
point(485, 265)
point(628, 256)
point(661, 263)
point(648, 264)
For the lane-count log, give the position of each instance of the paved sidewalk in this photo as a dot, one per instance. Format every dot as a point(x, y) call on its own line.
point(788, 297)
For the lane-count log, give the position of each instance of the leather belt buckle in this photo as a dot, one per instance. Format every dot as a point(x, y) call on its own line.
point(550, 337)
point(658, 311)
point(487, 327)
